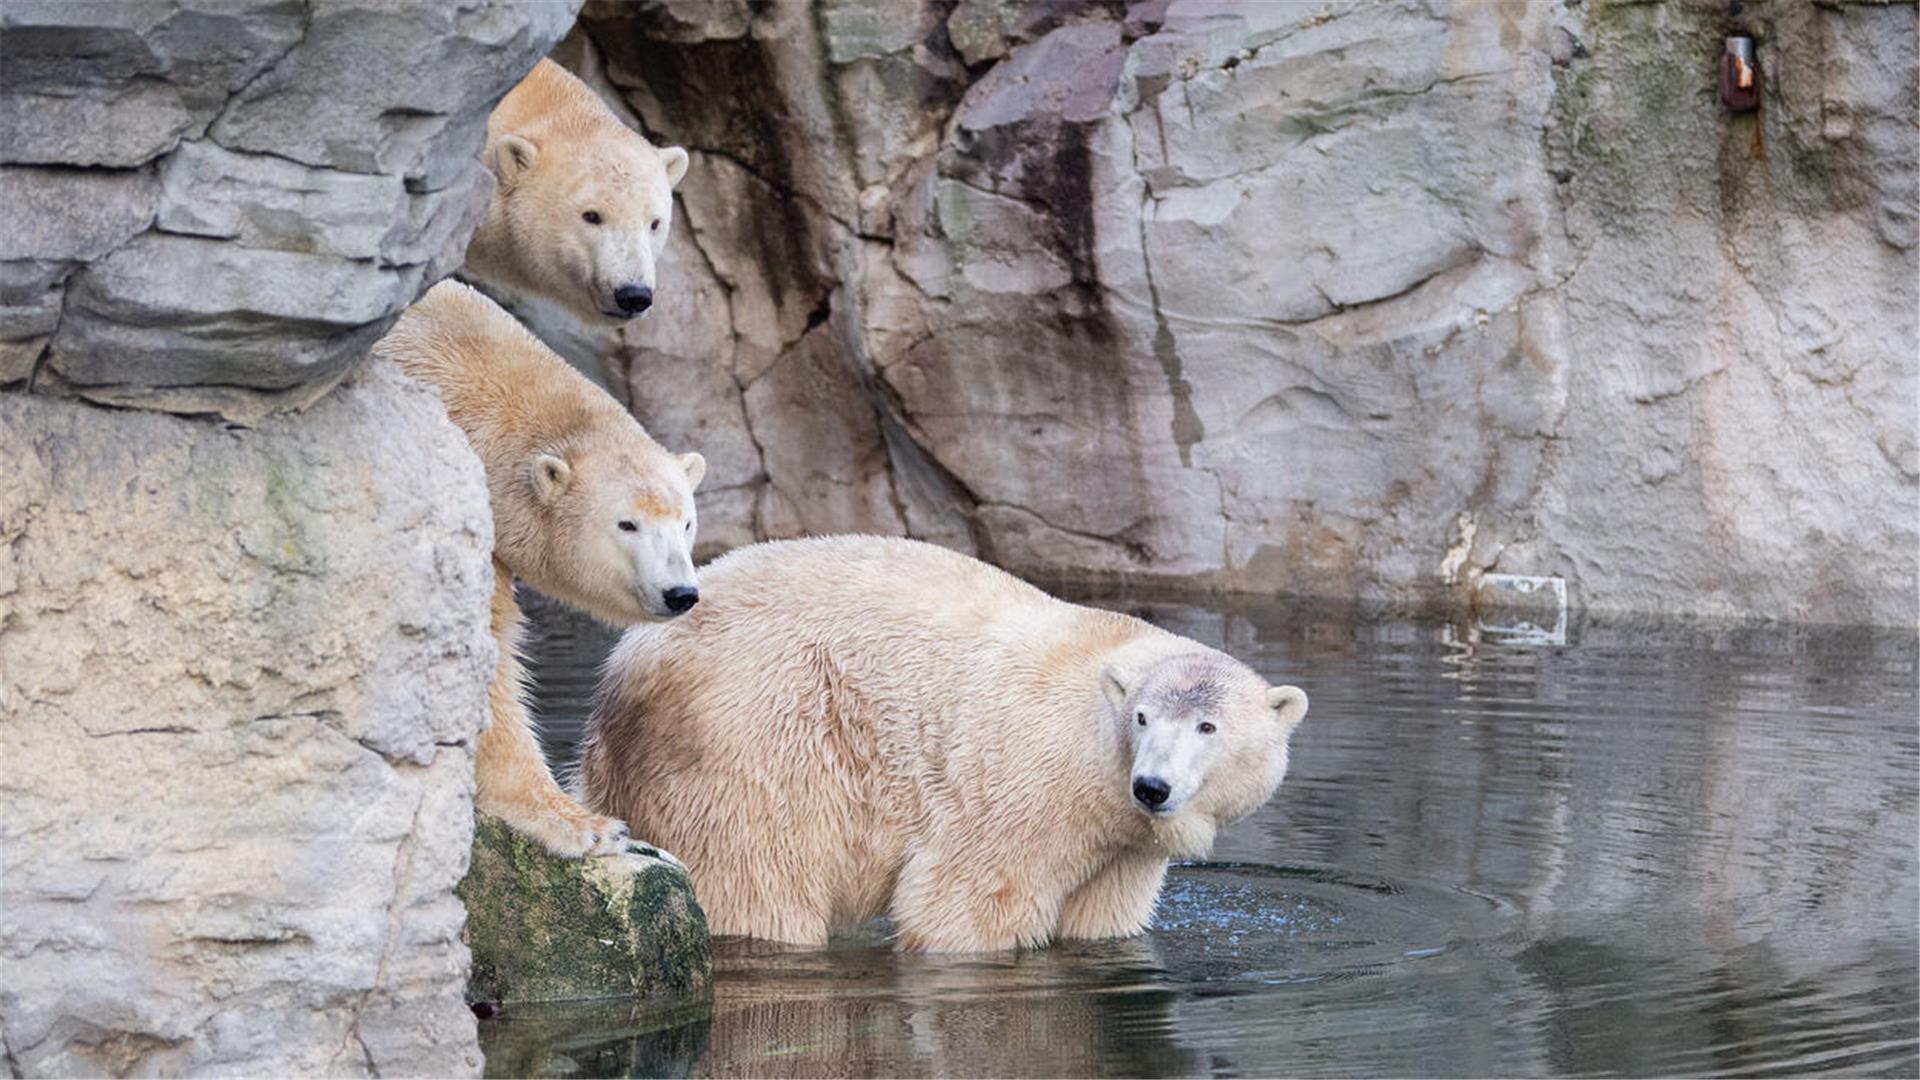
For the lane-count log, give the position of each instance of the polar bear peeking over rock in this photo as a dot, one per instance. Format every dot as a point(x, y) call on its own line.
point(586, 508)
point(855, 726)
point(582, 204)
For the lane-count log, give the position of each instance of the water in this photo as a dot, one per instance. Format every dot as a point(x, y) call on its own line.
point(1648, 851)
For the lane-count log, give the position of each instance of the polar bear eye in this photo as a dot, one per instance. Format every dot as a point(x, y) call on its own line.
point(1140, 718)
point(1206, 727)
point(655, 226)
point(591, 217)
point(628, 526)
point(689, 526)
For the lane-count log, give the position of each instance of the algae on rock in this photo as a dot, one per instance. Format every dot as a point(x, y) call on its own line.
point(543, 928)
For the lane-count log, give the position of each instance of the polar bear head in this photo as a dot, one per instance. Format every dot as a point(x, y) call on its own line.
point(585, 219)
point(1206, 739)
point(611, 529)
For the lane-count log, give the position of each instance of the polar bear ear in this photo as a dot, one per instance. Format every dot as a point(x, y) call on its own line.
point(512, 156)
point(1290, 702)
point(675, 161)
point(550, 476)
point(1113, 683)
point(696, 467)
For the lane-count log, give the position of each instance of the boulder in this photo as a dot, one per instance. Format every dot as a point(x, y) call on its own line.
point(241, 676)
point(543, 928)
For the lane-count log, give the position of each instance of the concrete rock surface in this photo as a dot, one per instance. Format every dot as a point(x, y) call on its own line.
point(1342, 298)
point(241, 674)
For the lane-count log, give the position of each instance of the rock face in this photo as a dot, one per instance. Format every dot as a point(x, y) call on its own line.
point(242, 666)
point(241, 673)
point(549, 929)
point(222, 206)
point(1342, 298)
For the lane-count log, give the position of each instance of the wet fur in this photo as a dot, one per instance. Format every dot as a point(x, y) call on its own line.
point(856, 726)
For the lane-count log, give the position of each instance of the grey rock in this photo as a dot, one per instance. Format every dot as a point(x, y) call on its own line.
point(30, 294)
point(378, 86)
point(271, 647)
point(75, 215)
point(272, 204)
point(180, 311)
point(232, 200)
point(120, 84)
point(1326, 298)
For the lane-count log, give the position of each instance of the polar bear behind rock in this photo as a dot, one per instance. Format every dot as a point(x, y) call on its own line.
point(855, 726)
point(582, 204)
point(586, 508)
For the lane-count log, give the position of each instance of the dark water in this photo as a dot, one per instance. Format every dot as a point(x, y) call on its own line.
point(1648, 851)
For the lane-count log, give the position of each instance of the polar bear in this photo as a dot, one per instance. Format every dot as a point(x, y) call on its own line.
point(586, 508)
point(853, 726)
point(582, 203)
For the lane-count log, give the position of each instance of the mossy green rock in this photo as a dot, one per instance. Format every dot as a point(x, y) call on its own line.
point(543, 928)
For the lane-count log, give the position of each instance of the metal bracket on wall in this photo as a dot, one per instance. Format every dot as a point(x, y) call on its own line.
point(1739, 76)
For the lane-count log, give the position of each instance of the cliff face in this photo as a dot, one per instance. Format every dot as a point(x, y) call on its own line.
point(1349, 299)
point(243, 652)
point(240, 678)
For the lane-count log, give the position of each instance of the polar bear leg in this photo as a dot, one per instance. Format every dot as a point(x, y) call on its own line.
point(969, 903)
point(1118, 901)
point(773, 915)
point(511, 778)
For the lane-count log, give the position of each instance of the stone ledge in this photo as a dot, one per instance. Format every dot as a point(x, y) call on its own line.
point(542, 928)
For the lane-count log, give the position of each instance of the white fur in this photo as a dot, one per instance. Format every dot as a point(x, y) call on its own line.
point(850, 726)
point(558, 155)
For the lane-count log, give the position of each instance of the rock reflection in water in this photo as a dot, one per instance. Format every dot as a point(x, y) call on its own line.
point(1651, 850)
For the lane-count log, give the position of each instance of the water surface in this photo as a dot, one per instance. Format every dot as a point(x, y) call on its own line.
point(1648, 851)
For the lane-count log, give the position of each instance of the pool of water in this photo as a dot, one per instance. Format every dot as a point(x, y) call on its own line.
point(1650, 850)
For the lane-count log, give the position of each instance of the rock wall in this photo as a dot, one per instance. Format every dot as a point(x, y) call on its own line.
point(218, 208)
point(243, 634)
point(241, 674)
point(1359, 299)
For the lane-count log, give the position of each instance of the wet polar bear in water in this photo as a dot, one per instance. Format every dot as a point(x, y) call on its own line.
point(855, 726)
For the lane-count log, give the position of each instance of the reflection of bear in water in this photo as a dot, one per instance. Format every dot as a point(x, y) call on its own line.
point(856, 726)
point(938, 1016)
point(868, 1011)
point(586, 508)
point(854, 1011)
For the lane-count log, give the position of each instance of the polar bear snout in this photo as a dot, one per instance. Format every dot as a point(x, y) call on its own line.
point(633, 298)
point(1151, 792)
point(681, 598)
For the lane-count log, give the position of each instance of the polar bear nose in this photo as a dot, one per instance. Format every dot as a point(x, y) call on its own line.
point(680, 598)
point(1150, 790)
point(633, 299)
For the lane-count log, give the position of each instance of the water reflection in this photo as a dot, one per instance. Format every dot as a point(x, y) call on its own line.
point(1651, 850)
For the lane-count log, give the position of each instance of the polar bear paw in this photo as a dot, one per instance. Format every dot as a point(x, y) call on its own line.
point(573, 835)
point(608, 836)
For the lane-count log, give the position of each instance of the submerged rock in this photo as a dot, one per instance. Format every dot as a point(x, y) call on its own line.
point(543, 928)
